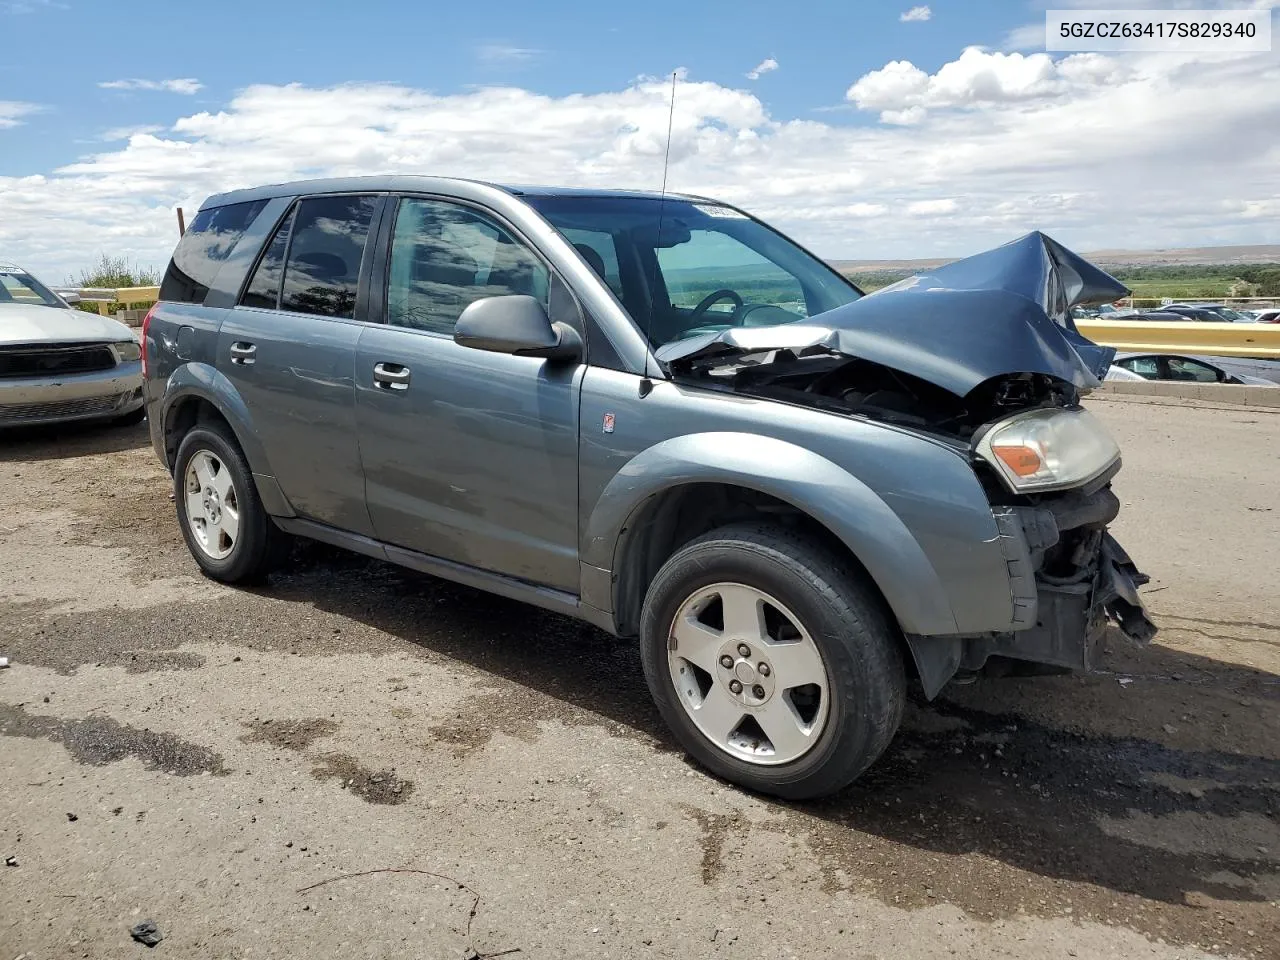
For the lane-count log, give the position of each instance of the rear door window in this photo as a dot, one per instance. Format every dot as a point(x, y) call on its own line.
point(209, 240)
point(325, 250)
point(264, 286)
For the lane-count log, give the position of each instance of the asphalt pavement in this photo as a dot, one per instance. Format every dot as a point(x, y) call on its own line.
point(359, 761)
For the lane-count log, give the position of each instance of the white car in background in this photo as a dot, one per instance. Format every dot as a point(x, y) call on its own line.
point(59, 364)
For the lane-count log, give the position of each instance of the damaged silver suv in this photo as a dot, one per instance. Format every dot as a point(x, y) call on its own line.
point(659, 415)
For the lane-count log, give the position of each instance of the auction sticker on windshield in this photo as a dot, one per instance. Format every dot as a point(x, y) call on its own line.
point(1218, 31)
point(720, 212)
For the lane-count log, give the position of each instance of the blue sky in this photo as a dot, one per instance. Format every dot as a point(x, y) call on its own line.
point(556, 48)
point(868, 132)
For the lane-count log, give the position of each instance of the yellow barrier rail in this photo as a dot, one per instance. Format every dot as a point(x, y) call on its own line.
point(128, 296)
point(1261, 340)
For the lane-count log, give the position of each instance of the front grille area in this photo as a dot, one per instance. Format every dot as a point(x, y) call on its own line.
point(41, 361)
point(57, 409)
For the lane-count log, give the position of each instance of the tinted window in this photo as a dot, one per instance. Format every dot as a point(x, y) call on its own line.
point(671, 254)
point(597, 248)
point(711, 260)
point(209, 240)
point(1180, 368)
point(329, 234)
point(24, 288)
point(264, 285)
point(445, 256)
point(1143, 366)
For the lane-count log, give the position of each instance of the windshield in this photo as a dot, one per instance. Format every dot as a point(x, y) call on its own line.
point(712, 268)
point(16, 287)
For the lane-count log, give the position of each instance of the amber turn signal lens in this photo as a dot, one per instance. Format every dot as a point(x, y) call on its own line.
point(1021, 460)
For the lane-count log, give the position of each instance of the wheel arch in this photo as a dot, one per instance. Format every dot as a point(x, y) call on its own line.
point(680, 488)
point(198, 393)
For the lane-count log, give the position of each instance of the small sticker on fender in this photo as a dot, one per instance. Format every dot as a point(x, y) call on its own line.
point(608, 423)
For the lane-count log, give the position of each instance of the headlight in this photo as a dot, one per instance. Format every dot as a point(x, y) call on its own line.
point(1048, 449)
point(128, 350)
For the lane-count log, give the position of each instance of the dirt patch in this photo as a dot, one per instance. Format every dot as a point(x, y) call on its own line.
point(715, 829)
point(381, 786)
point(148, 661)
point(63, 642)
point(1002, 816)
point(289, 734)
point(100, 740)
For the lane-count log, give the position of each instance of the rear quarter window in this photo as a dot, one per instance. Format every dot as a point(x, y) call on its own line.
point(209, 240)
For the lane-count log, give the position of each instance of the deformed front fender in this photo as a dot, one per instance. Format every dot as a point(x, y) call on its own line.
point(203, 381)
point(811, 483)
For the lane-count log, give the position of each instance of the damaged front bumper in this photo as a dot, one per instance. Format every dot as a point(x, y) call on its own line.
point(1068, 578)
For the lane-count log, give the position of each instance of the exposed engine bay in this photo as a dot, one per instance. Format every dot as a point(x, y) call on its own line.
point(843, 385)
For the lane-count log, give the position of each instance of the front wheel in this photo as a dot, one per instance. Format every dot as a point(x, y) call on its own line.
point(227, 530)
point(775, 665)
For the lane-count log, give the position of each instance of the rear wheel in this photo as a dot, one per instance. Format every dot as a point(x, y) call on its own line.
point(775, 665)
point(222, 518)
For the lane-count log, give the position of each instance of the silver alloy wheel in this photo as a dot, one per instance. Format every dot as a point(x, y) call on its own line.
point(748, 674)
point(213, 506)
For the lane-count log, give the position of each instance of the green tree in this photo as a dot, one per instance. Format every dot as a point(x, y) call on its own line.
point(1267, 278)
point(115, 272)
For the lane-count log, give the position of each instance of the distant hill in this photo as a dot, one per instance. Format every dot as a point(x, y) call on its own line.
point(1186, 257)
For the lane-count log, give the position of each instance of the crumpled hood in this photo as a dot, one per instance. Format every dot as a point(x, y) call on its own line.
point(32, 323)
point(1005, 311)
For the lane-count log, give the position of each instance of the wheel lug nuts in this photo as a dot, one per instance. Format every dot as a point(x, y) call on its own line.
point(735, 686)
point(744, 650)
point(758, 692)
point(726, 661)
point(763, 669)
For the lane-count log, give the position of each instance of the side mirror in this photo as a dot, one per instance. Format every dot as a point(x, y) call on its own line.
point(518, 325)
point(70, 299)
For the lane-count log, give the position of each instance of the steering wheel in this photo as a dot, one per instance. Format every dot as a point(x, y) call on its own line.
point(716, 297)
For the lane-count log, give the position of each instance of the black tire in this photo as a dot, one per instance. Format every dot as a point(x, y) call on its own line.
point(260, 546)
point(843, 614)
point(132, 418)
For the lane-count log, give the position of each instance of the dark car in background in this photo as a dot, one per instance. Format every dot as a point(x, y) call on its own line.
point(1206, 312)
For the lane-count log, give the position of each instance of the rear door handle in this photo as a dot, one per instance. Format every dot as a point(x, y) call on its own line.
point(391, 376)
point(243, 352)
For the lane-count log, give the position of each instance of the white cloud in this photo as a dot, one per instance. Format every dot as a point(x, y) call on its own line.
point(1029, 36)
point(183, 85)
point(978, 78)
point(916, 15)
point(1100, 152)
point(124, 133)
point(30, 6)
point(932, 208)
point(12, 112)
point(767, 65)
point(505, 53)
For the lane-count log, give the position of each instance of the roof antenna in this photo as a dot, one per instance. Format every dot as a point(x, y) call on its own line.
point(646, 384)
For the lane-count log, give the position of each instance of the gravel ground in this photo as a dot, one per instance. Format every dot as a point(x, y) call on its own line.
point(359, 761)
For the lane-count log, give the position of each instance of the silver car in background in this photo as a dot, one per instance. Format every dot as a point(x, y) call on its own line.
point(59, 364)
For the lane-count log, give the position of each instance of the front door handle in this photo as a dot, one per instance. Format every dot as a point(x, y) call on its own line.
point(243, 352)
point(391, 376)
